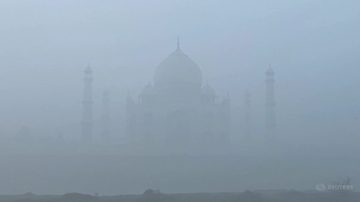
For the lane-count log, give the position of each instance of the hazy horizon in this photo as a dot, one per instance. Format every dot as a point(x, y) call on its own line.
point(312, 45)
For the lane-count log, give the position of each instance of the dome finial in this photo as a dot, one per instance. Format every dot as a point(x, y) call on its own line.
point(178, 42)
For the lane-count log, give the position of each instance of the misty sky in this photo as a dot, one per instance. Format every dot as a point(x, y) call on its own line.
point(313, 46)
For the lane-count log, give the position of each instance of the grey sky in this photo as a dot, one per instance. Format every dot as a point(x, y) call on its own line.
point(313, 46)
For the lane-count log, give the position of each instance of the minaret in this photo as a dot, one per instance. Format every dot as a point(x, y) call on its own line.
point(270, 105)
point(105, 135)
point(87, 106)
point(226, 120)
point(247, 118)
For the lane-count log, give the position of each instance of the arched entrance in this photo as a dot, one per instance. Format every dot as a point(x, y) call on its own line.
point(178, 127)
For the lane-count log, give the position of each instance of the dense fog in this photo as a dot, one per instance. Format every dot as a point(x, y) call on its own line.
point(189, 102)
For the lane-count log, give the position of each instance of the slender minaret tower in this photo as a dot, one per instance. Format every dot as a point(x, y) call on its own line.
point(105, 135)
point(87, 106)
point(247, 118)
point(270, 105)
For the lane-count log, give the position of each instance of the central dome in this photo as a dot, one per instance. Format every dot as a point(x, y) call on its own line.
point(178, 70)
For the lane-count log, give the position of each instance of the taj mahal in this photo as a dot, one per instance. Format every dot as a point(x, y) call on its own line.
point(178, 108)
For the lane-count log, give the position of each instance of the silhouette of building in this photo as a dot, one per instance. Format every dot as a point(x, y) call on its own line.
point(177, 109)
point(87, 106)
point(247, 118)
point(270, 105)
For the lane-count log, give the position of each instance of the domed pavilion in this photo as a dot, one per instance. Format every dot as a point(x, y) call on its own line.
point(177, 108)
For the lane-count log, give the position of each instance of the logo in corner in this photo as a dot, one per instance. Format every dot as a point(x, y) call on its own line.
point(320, 187)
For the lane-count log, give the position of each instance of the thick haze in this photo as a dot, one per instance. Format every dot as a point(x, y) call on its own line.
point(313, 46)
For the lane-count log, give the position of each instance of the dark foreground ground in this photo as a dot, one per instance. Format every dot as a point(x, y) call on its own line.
point(247, 196)
point(118, 175)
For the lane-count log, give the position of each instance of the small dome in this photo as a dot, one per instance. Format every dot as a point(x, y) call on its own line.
point(88, 69)
point(270, 71)
point(148, 90)
point(208, 90)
